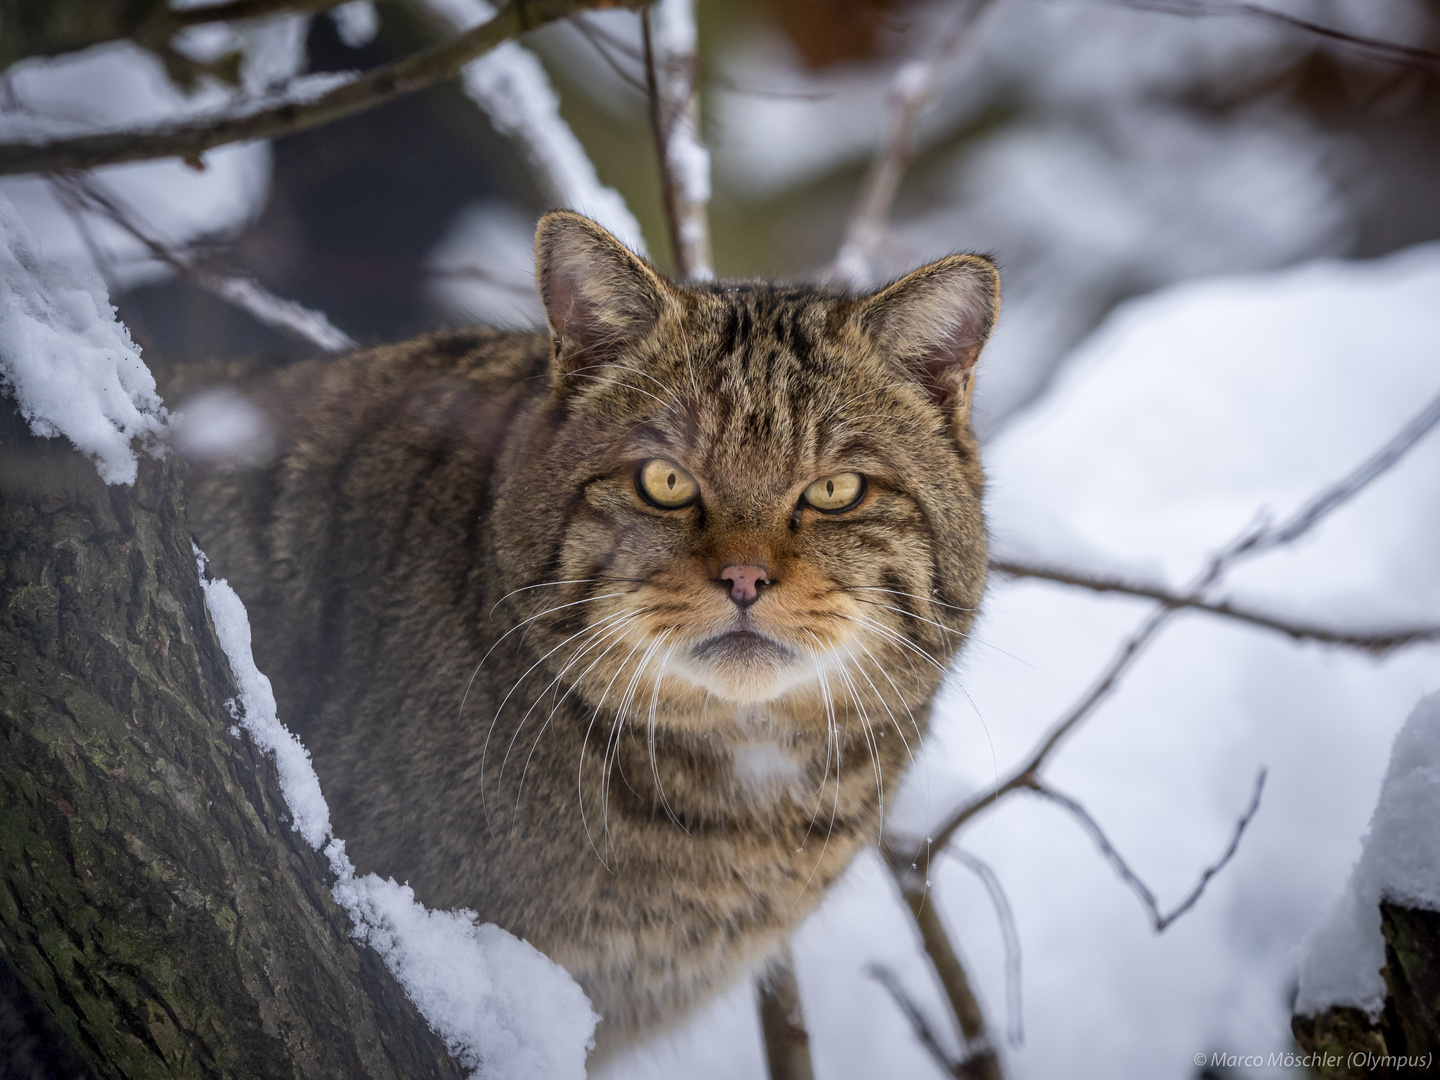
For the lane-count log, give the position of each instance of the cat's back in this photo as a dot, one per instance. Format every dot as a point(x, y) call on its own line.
point(370, 493)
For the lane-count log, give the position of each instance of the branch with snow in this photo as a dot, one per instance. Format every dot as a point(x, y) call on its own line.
point(295, 112)
point(671, 75)
point(287, 316)
point(511, 85)
point(503, 1009)
point(68, 361)
point(912, 93)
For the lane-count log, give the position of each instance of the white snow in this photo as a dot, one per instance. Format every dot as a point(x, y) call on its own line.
point(68, 361)
point(503, 1009)
point(1400, 863)
point(511, 85)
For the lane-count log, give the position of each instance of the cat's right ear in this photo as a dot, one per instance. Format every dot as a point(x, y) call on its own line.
point(598, 294)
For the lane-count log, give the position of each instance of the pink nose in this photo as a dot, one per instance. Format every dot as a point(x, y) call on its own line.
point(745, 582)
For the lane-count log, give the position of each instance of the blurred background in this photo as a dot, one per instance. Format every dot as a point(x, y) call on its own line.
point(1213, 231)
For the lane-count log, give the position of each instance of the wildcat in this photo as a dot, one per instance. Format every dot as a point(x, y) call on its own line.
point(622, 635)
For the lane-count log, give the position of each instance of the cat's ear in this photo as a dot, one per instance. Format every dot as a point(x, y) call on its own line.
point(935, 321)
point(598, 294)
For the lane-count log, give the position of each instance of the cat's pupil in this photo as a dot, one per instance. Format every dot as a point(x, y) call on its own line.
point(671, 480)
point(829, 487)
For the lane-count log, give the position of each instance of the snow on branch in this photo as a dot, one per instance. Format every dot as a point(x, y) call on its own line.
point(192, 137)
point(85, 192)
point(69, 363)
point(671, 75)
point(1400, 863)
point(511, 85)
point(503, 1009)
point(912, 93)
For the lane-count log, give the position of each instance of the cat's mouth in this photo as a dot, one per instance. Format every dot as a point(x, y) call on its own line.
point(744, 646)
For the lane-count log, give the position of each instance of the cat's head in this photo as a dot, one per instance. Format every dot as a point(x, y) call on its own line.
point(753, 490)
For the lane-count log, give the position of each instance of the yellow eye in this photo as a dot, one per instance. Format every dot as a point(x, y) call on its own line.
point(835, 493)
point(666, 484)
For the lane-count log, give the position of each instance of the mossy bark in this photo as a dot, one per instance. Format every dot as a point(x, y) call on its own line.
point(153, 895)
point(1409, 1028)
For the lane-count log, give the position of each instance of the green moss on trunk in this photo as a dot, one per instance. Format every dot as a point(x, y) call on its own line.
point(153, 895)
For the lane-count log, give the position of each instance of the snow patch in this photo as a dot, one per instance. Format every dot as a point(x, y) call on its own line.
point(69, 362)
point(503, 1009)
point(1400, 863)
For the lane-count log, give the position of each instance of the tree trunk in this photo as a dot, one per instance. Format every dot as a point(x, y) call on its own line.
point(1410, 1025)
point(155, 900)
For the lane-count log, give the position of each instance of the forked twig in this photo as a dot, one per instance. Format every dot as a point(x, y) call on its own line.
point(918, 1021)
point(1160, 920)
point(1009, 935)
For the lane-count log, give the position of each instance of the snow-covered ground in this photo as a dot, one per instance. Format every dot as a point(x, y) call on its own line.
point(1180, 417)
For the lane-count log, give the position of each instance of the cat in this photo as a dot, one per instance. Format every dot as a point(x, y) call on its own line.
point(622, 635)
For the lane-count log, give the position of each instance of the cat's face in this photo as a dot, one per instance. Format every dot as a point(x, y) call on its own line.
point(768, 494)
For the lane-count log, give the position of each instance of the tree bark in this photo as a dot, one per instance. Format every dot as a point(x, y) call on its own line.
point(1410, 1025)
point(154, 899)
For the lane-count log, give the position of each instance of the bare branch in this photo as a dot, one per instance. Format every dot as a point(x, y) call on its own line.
point(671, 72)
point(510, 84)
point(1254, 540)
point(787, 1043)
point(1378, 642)
point(1309, 515)
point(1390, 51)
point(918, 1023)
point(237, 10)
point(1157, 919)
point(311, 327)
point(1014, 1005)
point(981, 1060)
point(192, 138)
point(912, 93)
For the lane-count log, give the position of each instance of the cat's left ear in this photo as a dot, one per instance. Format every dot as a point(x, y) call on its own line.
point(935, 321)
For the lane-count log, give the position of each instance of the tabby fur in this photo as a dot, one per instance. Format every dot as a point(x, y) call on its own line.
point(504, 659)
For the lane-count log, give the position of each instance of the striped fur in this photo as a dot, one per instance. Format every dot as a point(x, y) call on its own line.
point(503, 658)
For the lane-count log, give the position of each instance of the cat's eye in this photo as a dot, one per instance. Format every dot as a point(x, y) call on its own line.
point(666, 484)
point(835, 493)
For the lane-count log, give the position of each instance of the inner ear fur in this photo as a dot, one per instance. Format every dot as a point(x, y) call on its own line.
point(935, 321)
point(598, 294)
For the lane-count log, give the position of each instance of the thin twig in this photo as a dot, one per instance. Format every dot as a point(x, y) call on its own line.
point(1157, 919)
point(671, 77)
point(912, 92)
point(1390, 51)
point(305, 324)
point(192, 138)
point(238, 10)
point(918, 1022)
point(1256, 539)
point(1014, 1004)
point(1377, 642)
point(981, 1060)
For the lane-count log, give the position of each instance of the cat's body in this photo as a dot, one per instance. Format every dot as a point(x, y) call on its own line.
point(602, 701)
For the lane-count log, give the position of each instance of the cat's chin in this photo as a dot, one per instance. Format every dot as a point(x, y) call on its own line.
point(744, 667)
